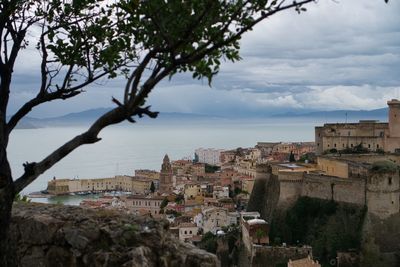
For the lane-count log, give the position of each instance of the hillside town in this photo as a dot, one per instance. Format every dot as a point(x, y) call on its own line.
point(209, 196)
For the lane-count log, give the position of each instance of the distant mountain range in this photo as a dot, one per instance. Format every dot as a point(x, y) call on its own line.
point(88, 116)
point(352, 115)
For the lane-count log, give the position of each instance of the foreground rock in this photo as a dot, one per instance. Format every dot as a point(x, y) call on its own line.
point(56, 235)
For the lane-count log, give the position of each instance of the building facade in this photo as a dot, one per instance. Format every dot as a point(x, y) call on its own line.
point(143, 205)
point(124, 183)
point(209, 155)
point(368, 134)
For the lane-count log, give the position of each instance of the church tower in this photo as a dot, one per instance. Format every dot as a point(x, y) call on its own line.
point(166, 176)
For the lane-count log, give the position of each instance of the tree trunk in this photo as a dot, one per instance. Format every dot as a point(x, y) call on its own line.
point(6, 201)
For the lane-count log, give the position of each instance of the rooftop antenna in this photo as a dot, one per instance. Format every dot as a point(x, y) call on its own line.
point(116, 169)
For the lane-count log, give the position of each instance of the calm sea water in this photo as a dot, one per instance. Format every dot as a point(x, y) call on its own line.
point(128, 147)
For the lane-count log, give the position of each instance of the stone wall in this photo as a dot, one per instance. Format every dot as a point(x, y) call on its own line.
point(267, 256)
point(57, 235)
point(290, 188)
point(265, 195)
point(371, 158)
point(338, 189)
point(383, 194)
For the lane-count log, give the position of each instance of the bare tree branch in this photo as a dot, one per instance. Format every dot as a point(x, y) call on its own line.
point(33, 170)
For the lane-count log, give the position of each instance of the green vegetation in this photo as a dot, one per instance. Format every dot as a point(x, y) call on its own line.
point(152, 187)
point(380, 151)
point(358, 149)
point(260, 234)
point(179, 199)
point(325, 225)
point(131, 227)
point(19, 198)
point(173, 212)
point(308, 156)
point(231, 237)
point(384, 166)
point(163, 204)
point(291, 157)
point(209, 242)
point(212, 168)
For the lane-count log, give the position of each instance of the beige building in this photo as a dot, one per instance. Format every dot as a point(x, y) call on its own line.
point(198, 169)
point(192, 190)
point(187, 231)
point(181, 167)
point(372, 135)
point(227, 157)
point(118, 183)
point(148, 174)
point(143, 205)
point(58, 186)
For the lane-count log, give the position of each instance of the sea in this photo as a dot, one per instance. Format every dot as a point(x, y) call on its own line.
point(125, 148)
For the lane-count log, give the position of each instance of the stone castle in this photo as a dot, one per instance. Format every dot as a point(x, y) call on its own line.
point(374, 185)
point(371, 179)
point(372, 135)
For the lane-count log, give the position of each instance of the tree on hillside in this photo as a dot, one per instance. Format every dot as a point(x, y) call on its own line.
point(260, 234)
point(291, 157)
point(81, 42)
point(152, 187)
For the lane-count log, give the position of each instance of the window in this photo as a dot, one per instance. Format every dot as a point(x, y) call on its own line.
point(190, 232)
point(334, 145)
point(185, 232)
point(351, 145)
point(377, 145)
point(390, 181)
point(369, 145)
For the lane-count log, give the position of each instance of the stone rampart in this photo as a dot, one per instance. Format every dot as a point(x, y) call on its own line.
point(291, 184)
point(333, 188)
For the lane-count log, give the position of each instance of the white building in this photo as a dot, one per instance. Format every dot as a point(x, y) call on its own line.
point(208, 155)
point(220, 192)
point(215, 218)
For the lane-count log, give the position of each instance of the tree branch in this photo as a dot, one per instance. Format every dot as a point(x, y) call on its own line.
point(33, 169)
point(39, 99)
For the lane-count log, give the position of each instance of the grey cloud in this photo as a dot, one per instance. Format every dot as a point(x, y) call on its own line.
point(334, 56)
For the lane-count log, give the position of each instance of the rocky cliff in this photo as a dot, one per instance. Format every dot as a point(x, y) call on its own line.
point(57, 235)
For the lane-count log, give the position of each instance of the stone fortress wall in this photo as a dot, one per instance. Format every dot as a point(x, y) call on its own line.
point(380, 192)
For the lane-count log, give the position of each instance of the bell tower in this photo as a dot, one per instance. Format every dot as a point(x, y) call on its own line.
point(166, 176)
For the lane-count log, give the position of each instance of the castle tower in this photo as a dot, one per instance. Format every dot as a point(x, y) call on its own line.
point(166, 176)
point(394, 118)
point(383, 189)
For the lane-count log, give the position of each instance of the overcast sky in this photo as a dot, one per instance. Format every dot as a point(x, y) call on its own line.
point(338, 55)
